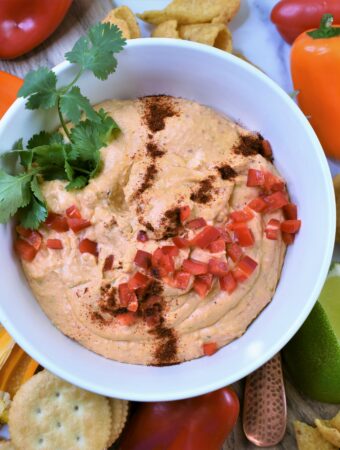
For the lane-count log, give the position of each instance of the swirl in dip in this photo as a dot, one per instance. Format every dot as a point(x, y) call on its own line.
point(178, 245)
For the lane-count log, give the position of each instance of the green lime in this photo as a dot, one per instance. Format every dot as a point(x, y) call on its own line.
point(312, 357)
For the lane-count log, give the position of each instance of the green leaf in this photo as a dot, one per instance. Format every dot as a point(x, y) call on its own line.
point(35, 187)
point(51, 161)
point(325, 30)
point(40, 89)
point(73, 103)
point(18, 145)
point(95, 51)
point(33, 214)
point(69, 170)
point(44, 138)
point(78, 183)
point(15, 193)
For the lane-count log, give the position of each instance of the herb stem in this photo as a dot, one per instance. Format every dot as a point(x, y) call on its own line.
point(78, 169)
point(76, 78)
point(63, 124)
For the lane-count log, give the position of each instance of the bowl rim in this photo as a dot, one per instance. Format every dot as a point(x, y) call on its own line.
point(272, 349)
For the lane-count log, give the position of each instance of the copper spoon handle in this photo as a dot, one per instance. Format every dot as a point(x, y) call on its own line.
point(265, 409)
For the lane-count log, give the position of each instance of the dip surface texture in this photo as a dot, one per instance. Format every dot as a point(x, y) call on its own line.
point(170, 153)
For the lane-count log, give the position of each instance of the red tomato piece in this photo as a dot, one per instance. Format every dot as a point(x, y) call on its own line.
point(195, 267)
point(24, 232)
point(235, 252)
point(170, 250)
point(54, 244)
point(25, 250)
point(244, 236)
point(126, 295)
point(126, 319)
point(143, 259)
point(208, 235)
point(195, 224)
point(209, 348)
point(138, 280)
point(290, 211)
point(224, 235)
point(255, 178)
point(267, 149)
point(228, 283)
point(73, 212)
point(243, 215)
point(217, 267)
point(206, 278)
point(181, 279)
point(108, 264)
point(239, 275)
point(291, 226)
point(142, 236)
point(273, 183)
point(200, 287)
point(77, 225)
point(272, 229)
point(217, 246)
point(181, 242)
point(258, 204)
point(56, 222)
point(184, 213)
point(276, 201)
point(288, 238)
point(247, 265)
point(88, 246)
point(33, 237)
point(133, 305)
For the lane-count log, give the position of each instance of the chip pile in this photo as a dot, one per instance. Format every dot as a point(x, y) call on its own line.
point(325, 436)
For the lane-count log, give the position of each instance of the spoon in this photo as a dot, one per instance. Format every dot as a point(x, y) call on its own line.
point(265, 409)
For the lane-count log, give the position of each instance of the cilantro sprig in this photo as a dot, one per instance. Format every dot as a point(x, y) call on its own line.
point(73, 156)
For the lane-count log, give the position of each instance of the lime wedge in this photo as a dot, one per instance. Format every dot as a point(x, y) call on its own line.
point(312, 357)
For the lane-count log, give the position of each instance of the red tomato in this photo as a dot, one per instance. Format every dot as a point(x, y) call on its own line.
point(290, 211)
point(184, 213)
point(276, 201)
point(25, 250)
point(247, 265)
point(56, 222)
point(170, 250)
point(255, 178)
point(273, 183)
point(224, 235)
point(267, 151)
point(244, 236)
point(293, 17)
point(235, 252)
point(9, 86)
point(288, 238)
point(108, 264)
point(217, 267)
point(77, 225)
point(142, 236)
point(195, 267)
point(200, 423)
point(217, 246)
point(127, 319)
point(138, 280)
point(258, 204)
point(208, 235)
point(291, 226)
point(200, 287)
point(54, 244)
point(228, 283)
point(126, 295)
point(194, 224)
point(34, 238)
point(73, 212)
point(181, 242)
point(143, 259)
point(243, 215)
point(181, 279)
point(272, 229)
point(88, 246)
point(209, 348)
point(163, 262)
point(25, 24)
point(206, 278)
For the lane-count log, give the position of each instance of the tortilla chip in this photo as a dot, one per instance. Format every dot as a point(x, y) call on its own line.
point(214, 34)
point(309, 438)
point(166, 29)
point(335, 422)
point(328, 431)
point(188, 12)
point(336, 182)
point(124, 18)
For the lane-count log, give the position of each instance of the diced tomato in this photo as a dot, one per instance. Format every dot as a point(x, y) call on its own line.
point(228, 283)
point(108, 264)
point(138, 280)
point(272, 229)
point(276, 201)
point(88, 246)
point(158, 261)
point(170, 250)
point(77, 225)
point(267, 149)
point(209, 348)
point(217, 246)
point(273, 183)
point(232, 226)
point(73, 212)
point(291, 226)
point(217, 267)
point(56, 222)
point(244, 236)
point(200, 287)
point(206, 278)
point(181, 279)
point(34, 238)
point(181, 242)
point(167, 263)
point(194, 224)
point(184, 213)
point(235, 252)
point(143, 259)
point(243, 215)
point(224, 235)
point(290, 211)
point(142, 236)
point(25, 250)
point(239, 275)
point(133, 304)
point(208, 235)
point(127, 319)
point(24, 232)
point(247, 265)
point(126, 295)
point(255, 178)
point(258, 204)
point(54, 244)
point(195, 267)
point(288, 238)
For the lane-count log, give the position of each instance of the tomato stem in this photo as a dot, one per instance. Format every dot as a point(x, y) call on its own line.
point(325, 30)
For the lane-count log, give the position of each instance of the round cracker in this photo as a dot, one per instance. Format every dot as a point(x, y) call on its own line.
point(119, 413)
point(7, 445)
point(49, 413)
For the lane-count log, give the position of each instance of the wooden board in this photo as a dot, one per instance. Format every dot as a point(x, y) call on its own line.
point(82, 14)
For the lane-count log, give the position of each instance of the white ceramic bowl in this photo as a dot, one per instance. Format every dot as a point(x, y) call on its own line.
point(228, 84)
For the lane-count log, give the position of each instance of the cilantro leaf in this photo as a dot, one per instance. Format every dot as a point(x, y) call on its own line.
point(40, 86)
point(15, 193)
point(77, 183)
point(95, 50)
point(73, 103)
point(51, 161)
point(32, 215)
point(44, 138)
point(35, 187)
point(18, 145)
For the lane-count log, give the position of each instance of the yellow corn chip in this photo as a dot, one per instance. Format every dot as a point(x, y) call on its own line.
point(166, 29)
point(194, 11)
point(328, 431)
point(309, 438)
point(121, 24)
point(124, 18)
point(214, 34)
point(335, 422)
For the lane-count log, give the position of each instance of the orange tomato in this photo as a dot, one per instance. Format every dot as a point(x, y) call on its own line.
point(9, 86)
